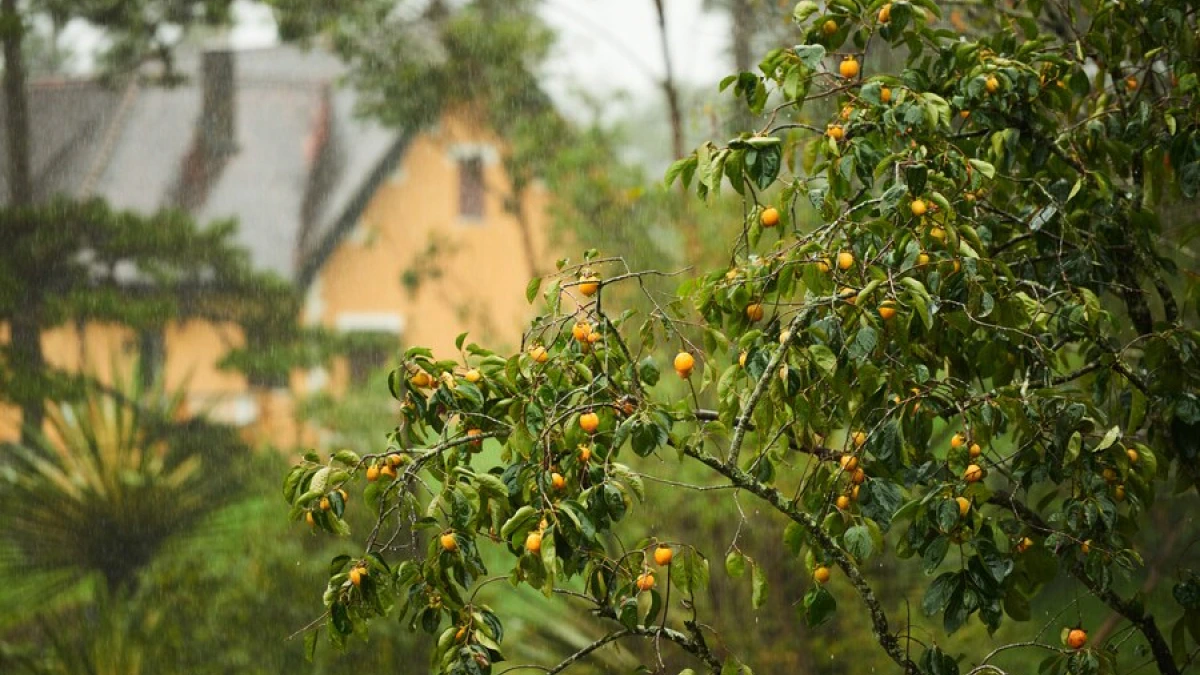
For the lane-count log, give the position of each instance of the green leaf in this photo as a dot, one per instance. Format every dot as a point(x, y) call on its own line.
point(804, 10)
point(1109, 438)
point(825, 359)
point(938, 593)
point(690, 572)
point(758, 584)
point(985, 168)
point(810, 55)
point(819, 606)
point(858, 543)
point(531, 289)
point(793, 537)
point(735, 564)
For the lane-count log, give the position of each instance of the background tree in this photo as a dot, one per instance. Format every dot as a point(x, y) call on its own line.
point(988, 266)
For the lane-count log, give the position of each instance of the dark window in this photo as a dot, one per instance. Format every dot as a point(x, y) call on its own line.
point(470, 187)
point(368, 353)
point(152, 355)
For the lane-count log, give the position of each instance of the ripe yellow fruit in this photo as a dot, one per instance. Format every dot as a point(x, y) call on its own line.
point(449, 542)
point(589, 422)
point(539, 354)
point(388, 471)
point(533, 542)
point(1086, 547)
point(557, 480)
point(356, 574)
point(835, 131)
point(684, 363)
point(823, 265)
point(919, 207)
point(957, 441)
point(860, 476)
point(310, 518)
point(821, 574)
point(964, 505)
point(474, 433)
point(590, 285)
point(581, 330)
point(974, 451)
point(843, 502)
point(885, 95)
point(847, 111)
point(848, 294)
point(395, 459)
point(421, 380)
point(1109, 475)
point(849, 68)
point(845, 260)
point(585, 453)
point(742, 359)
point(754, 312)
point(1119, 493)
point(923, 259)
point(1132, 455)
point(829, 27)
point(887, 311)
point(992, 85)
point(973, 474)
point(326, 504)
point(769, 217)
point(645, 581)
point(460, 634)
point(372, 474)
point(1024, 545)
point(854, 493)
point(344, 494)
point(473, 376)
point(1131, 83)
point(849, 462)
point(663, 555)
point(859, 439)
point(594, 337)
point(885, 13)
point(1077, 638)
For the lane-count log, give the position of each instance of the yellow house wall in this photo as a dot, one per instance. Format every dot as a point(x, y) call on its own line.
point(413, 224)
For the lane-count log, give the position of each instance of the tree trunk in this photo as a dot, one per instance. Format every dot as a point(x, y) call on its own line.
point(25, 332)
point(668, 85)
point(692, 246)
point(740, 19)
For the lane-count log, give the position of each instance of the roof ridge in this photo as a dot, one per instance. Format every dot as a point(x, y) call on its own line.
point(104, 153)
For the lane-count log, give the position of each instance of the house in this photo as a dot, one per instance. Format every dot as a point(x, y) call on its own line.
point(402, 235)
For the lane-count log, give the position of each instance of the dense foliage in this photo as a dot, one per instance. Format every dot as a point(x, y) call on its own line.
point(989, 262)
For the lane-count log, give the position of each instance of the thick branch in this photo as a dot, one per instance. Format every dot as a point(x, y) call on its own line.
point(879, 623)
point(743, 421)
point(1132, 611)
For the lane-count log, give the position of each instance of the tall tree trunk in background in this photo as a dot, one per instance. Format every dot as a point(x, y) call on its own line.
point(24, 330)
point(668, 85)
point(740, 19)
point(691, 236)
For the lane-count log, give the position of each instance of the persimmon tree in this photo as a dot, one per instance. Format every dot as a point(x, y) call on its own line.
point(948, 332)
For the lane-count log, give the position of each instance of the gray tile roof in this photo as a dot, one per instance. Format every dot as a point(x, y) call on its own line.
point(130, 146)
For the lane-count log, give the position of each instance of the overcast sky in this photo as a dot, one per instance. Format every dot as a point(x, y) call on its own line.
point(604, 45)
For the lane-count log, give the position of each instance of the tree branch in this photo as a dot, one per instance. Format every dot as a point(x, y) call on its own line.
point(1132, 611)
point(692, 646)
point(743, 421)
point(879, 622)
